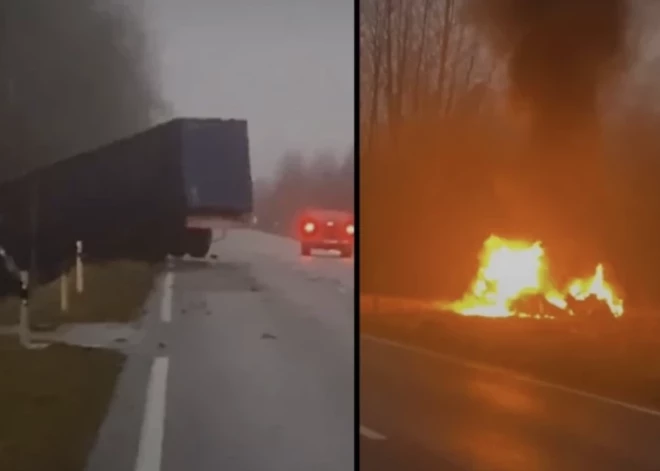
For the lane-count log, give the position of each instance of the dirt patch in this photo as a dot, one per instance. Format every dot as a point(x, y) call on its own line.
point(52, 403)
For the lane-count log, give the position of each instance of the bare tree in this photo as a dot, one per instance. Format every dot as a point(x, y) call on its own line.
point(290, 190)
point(322, 180)
point(325, 183)
point(424, 69)
point(371, 68)
point(431, 66)
point(416, 57)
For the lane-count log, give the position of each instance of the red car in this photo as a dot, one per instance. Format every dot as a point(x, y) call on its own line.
point(327, 230)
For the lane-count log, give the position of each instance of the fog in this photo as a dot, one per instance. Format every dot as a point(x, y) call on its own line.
point(286, 66)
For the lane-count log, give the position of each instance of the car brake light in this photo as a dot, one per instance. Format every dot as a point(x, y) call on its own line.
point(309, 227)
point(350, 229)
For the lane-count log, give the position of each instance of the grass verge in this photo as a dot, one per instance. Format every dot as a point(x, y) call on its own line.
point(52, 403)
point(114, 292)
point(619, 360)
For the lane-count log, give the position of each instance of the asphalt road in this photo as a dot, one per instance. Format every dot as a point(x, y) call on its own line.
point(423, 412)
point(248, 364)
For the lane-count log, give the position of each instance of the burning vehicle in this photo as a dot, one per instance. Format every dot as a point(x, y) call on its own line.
point(513, 280)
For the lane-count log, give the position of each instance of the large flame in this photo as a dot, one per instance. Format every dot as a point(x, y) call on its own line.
point(512, 270)
point(598, 287)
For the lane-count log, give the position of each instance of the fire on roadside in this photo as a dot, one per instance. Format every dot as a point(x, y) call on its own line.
point(513, 280)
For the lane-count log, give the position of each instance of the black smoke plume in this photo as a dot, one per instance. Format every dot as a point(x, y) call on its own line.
point(559, 55)
point(74, 75)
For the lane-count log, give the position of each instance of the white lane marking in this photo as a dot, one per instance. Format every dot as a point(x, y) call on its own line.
point(153, 424)
point(166, 301)
point(519, 377)
point(370, 434)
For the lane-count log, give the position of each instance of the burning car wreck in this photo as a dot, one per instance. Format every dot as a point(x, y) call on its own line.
point(513, 280)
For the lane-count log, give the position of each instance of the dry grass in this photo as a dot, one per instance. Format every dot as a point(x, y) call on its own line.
point(114, 292)
point(52, 403)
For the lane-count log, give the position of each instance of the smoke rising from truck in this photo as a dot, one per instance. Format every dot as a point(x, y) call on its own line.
point(73, 75)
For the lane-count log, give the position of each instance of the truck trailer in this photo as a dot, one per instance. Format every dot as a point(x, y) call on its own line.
point(143, 197)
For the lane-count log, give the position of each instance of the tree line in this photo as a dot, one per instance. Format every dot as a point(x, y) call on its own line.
point(325, 182)
point(458, 139)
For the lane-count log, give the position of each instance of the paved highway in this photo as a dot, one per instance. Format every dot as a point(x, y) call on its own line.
point(247, 363)
point(423, 412)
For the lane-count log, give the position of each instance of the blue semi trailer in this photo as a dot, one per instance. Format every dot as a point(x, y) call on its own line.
point(155, 193)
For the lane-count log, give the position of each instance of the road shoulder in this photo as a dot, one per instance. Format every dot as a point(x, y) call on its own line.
point(118, 439)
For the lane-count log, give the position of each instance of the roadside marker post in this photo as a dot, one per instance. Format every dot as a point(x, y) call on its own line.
point(24, 336)
point(24, 320)
point(64, 291)
point(80, 280)
point(23, 277)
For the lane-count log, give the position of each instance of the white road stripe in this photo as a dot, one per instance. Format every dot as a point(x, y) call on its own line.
point(513, 374)
point(153, 424)
point(370, 434)
point(166, 301)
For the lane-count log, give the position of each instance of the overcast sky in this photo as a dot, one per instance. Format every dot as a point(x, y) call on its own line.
point(287, 66)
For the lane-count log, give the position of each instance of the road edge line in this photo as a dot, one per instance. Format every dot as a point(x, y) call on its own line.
point(371, 434)
point(511, 373)
point(150, 447)
point(166, 299)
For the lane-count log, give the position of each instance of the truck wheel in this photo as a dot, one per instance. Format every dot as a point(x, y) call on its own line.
point(198, 242)
point(199, 251)
point(154, 251)
point(178, 249)
point(178, 252)
point(305, 250)
point(177, 245)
